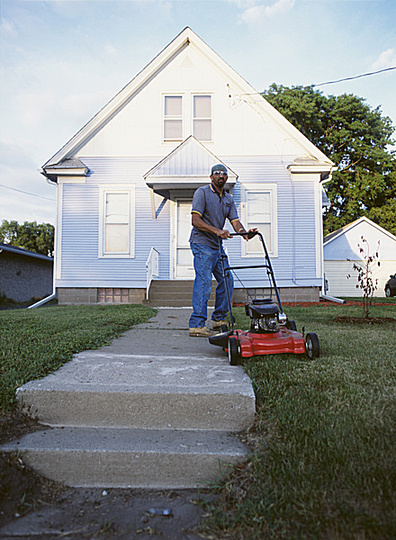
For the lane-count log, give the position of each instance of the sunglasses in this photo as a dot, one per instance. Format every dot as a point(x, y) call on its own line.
point(220, 172)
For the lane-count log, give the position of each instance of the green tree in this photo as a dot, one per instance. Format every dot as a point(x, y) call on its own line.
point(32, 236)
point(356, 138)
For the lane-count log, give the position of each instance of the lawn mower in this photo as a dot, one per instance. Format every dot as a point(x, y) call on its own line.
point(270, 330)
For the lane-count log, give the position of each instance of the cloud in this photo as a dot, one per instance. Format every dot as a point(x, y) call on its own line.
point(82, 105)
point(110, 50)
point(8, 27)
point(35, 108)
point(386, 59)
point(254, 11)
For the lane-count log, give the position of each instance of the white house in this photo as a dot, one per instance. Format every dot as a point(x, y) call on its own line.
point(125, 182)
point(342, 251)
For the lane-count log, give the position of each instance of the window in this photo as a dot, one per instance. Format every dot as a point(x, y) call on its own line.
point(260, 210)
point(202, 117)
point(173, 118)
point(186, 115)
point(116, 223)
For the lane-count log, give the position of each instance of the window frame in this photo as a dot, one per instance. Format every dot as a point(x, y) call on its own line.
point(129, 190)
point(272, 189)
point(172, 117)
point(194, 118)
point(187, 117)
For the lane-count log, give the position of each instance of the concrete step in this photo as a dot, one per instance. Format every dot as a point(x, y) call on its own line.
point(175, 293)
point(129, 458)
point(100, 389)
point(125, 417)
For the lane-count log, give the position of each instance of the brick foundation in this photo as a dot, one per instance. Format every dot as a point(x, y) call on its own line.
point(76, 296)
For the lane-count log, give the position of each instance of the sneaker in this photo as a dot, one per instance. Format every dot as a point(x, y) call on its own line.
point(201, 331)
point(219, 324)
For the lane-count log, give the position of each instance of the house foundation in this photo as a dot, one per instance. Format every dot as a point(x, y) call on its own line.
point(163, 293)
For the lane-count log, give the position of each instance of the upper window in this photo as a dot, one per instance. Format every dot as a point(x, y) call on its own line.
point(173, 118)
point(202, 118)
point(116, 223)
point(188, 115)
point(260, 211)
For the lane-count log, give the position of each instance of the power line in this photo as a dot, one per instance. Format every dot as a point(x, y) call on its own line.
point(27, 193)
point(356, 76)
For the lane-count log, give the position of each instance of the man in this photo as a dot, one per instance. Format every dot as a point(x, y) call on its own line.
point(211, 207)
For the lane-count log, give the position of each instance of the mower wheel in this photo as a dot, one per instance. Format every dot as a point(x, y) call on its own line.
point(312, 346)
point(233, 354)
point(291, 325)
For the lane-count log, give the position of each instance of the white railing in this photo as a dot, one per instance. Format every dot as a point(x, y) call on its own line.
point(151, 269)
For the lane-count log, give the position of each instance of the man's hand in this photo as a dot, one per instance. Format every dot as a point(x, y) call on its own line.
point(250, 233)
point(223, 234)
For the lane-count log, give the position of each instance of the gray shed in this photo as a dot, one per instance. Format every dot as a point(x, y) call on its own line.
point(24, 275)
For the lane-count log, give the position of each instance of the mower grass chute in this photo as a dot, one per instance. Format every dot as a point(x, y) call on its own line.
point(270, 330)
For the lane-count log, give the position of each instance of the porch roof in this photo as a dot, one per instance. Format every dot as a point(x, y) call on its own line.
point(187, 167)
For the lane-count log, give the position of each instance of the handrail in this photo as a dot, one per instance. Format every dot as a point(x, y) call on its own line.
point(152, 269)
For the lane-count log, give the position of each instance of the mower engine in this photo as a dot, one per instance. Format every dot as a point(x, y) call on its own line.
point(264, 314)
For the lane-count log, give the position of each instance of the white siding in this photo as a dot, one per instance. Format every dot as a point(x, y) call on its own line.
point(292, 267)
point(80, 229)
point(346, 246)
point(240, 125)
point(336, 273)
point(81, 266)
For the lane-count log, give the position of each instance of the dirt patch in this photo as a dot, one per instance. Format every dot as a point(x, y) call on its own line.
point(345, 319)
point(33, 506)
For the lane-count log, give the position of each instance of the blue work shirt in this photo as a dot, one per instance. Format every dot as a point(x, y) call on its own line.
point(214, 210)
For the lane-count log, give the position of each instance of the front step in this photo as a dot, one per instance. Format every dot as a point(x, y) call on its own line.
point(120, 390)
point(127, 415)
point(122, 420)
point(130, 458)
point(175, 293)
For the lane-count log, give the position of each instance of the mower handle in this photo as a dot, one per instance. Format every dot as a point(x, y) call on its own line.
point(250, 235)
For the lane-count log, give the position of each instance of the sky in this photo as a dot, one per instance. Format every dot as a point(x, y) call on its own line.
point(61, 61)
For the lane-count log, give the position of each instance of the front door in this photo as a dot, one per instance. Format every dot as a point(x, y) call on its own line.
point(183, 257)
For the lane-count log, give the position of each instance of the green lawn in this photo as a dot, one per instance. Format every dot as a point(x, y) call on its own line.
point(324, 453)
point(37, 341)
point(324, 463)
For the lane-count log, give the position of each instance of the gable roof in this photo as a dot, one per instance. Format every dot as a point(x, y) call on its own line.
point(187, 166)
point(341, 231)
point(187, 38)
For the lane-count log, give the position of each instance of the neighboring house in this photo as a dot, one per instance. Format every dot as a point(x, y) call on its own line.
point(125, 182)
point(341, 251)
point(24, 275)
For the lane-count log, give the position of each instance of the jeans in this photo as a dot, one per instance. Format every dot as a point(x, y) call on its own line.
point(207, 261)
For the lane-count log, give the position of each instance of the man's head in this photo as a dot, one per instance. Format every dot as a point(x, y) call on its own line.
point(219, 168)
point(219, 175)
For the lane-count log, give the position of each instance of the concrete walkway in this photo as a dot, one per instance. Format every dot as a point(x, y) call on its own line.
point(155, 409)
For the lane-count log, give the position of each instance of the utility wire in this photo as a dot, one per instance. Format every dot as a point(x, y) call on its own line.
point(356, 76)
point(334, 82)
point(27, 193)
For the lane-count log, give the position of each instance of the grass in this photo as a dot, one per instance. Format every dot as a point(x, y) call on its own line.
point(324, 459)
point(324, 462)
point(38, 341)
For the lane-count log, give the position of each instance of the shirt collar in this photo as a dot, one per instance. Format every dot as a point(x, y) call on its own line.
point(217, 193)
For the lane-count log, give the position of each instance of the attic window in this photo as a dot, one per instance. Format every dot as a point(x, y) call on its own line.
point(202, 117)
point(173, 118)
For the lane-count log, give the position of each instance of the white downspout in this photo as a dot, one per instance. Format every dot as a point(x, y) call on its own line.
point(54, 294)
point(43, 301)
